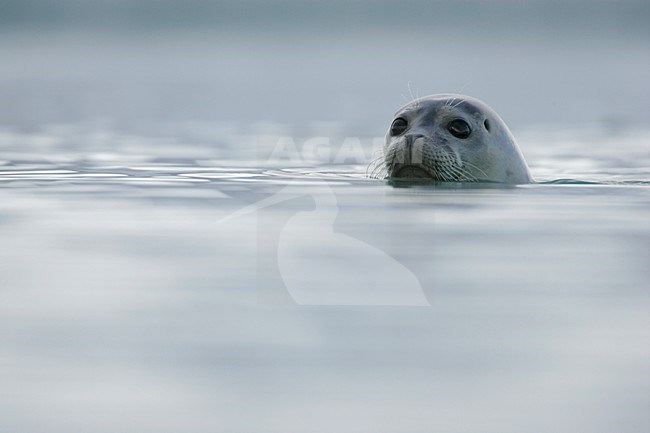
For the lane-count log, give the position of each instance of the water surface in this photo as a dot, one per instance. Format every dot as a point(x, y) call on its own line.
point(189, 242)
point(159, 282)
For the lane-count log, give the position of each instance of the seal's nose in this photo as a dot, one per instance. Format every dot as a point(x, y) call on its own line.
point(407, 158)
point(412, 149)
point(413, 139)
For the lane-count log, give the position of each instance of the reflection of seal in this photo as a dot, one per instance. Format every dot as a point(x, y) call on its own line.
point(452, 138)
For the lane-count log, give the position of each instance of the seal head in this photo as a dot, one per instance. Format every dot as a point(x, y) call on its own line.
point(452, 138)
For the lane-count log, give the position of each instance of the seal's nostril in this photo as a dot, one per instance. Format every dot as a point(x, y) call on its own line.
point(414, 138)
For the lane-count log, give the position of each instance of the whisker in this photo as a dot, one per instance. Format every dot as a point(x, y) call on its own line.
point(381, 172)
point(408, 85)
point(450, 175)
point(375, 164)
point(462, 89)
point(382, 164)
point(416, 98)
point(462, 175)
point(378, 165)
point(460, 100)
point(473, 166)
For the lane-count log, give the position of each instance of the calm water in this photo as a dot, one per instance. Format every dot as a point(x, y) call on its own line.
point(189, 242)
point(166, 283)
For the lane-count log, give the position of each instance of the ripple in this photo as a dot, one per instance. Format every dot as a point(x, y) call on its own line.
point(30, 172)
point(235, 175)
point(157, 173)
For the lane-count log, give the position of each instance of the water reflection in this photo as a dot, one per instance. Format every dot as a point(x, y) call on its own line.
point(124, 304)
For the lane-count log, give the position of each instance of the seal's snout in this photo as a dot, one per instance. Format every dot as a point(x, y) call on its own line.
point(408, 157)
point(409, 161)
point(410, 172)
point(412, 140)
point(410, 149)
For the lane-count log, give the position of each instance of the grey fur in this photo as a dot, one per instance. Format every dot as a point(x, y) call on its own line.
point(428, 150)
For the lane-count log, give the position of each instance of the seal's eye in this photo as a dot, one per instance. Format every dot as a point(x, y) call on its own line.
point(399, 126)
point(459, 128)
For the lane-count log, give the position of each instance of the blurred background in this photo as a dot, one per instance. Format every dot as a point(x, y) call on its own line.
point(129, 128)
point(536, 62)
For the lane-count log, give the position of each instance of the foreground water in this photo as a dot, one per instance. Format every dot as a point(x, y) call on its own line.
point(159, 283)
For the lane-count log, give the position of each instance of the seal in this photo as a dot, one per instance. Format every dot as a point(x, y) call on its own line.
point(451, 138)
